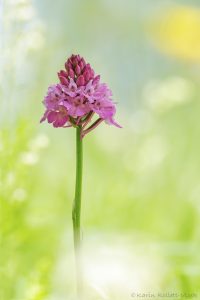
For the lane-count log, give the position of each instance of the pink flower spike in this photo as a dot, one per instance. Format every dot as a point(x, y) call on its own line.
point(78, 97)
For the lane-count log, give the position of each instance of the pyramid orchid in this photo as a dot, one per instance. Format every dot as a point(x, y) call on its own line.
point(78, 97)
point(74, 101)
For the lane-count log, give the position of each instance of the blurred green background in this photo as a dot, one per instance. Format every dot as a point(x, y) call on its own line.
point(140, 212)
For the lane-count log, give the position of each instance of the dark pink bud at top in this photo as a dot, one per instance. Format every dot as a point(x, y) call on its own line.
point(63, 77)
point(80, 81)
point(71, 73)
point(75, 65)
point(78, 70)
point(82, 63)
point(64, 80)
point(75, 62)
point(62, 73)
point(86, 75)
point(86, 67)
point(68, 65)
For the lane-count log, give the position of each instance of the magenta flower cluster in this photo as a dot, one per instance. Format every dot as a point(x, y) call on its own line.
point(78, 97)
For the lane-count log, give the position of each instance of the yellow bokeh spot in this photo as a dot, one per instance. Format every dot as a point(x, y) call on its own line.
point(177, 32)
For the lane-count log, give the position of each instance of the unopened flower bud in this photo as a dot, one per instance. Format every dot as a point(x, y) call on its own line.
point(71, 73)
point(86, 75)
point(80, 81)
point(78, 70)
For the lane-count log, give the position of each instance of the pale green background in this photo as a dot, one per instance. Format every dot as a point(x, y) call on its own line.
point(141, 192)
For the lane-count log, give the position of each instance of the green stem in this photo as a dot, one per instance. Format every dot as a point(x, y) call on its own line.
point(76, 211)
